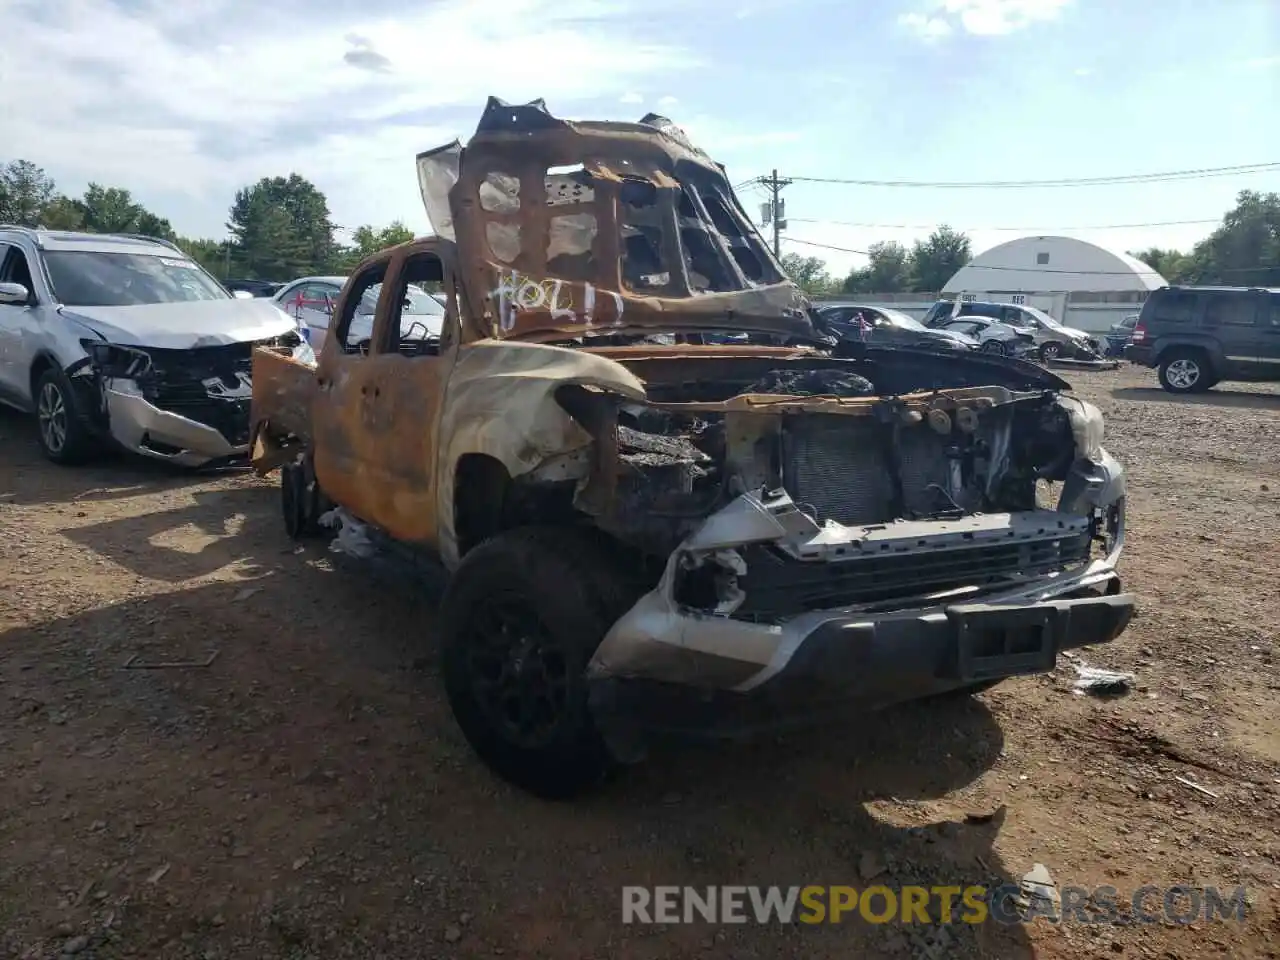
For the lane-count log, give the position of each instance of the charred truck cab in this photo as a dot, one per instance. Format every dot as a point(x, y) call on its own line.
point(665, 500)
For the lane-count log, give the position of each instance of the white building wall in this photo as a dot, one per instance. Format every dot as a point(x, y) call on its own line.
point(1038, 265)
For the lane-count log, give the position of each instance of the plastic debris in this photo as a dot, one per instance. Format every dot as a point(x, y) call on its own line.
point(1038, 894)
point(352, 538)
point(1101, 683)
point(1195, 786)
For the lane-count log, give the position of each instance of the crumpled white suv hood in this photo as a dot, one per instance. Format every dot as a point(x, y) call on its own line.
point(186, 325)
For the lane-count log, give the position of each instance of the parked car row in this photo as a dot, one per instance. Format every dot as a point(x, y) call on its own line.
point(1193, 336)
point(885, 325)
point(1053, 340)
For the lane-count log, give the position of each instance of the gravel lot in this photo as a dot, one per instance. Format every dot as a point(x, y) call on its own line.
point(307, 795)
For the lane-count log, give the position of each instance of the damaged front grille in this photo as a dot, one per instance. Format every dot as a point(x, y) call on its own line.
point(860, 471)
point(210, 385)
point(778, 586)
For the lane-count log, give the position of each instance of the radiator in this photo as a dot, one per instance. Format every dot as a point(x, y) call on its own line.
point(838, 466)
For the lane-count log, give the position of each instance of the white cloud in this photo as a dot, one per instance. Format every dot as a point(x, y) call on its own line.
point(631, 98)
point(667, 101)
point(925, 27)
point(1084, 71)
point(192, 101)
point(989, 18)
point(1262, 63)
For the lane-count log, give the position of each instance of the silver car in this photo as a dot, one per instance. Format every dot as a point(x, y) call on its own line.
point(994, 337)
point(1053, 340)
point(310, 300)
point(122, 338)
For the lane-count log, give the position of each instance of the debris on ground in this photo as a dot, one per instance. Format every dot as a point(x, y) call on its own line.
point(352, 537)
point(1199, 789)
point(317, 665)
point(1101, 683)
point(1038, 893)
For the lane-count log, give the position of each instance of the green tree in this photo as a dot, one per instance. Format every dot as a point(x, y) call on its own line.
point(113, 210)
point(369, 240)
point(888, 270)
point(809, 273)
point(25, 191)
point(210, 254)
point(1245, 249)
point(62, 213)
point(281, 228)
point(934, 261)
point(1163, 262)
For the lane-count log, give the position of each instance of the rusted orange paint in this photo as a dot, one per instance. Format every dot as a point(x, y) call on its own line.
point(387, 431)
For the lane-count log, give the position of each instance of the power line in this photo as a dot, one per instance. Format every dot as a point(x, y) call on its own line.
point(1200, 173)
point(1074, 273)
point(931, 226)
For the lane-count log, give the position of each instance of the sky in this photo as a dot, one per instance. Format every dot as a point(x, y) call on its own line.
point(184, 101)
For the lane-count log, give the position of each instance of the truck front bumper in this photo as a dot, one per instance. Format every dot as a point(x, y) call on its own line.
point(828, 663)
point(664, 665)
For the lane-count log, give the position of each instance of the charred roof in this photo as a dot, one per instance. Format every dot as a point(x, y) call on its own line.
point(568, 227)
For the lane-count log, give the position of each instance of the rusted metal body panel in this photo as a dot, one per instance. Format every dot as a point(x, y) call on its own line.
point(283, 389)
point(575, 229)
point(501, 403)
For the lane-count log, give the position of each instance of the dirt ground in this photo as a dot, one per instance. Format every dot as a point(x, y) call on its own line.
point(306, 793)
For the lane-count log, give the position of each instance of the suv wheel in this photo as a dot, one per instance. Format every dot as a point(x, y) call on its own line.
point(63, 436)
point(1184, 371)
point(520, 621)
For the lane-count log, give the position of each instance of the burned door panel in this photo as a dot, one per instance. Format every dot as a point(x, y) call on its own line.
point(400, 392)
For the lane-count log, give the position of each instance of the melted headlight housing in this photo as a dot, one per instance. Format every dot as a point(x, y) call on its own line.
point(114, 360)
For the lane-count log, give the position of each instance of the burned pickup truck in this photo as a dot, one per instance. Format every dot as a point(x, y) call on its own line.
point(649, 531)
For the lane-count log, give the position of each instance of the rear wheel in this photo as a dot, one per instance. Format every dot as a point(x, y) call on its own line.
point(301, 501)
point(64, 436)
point(1185, 371)
point(520, 622)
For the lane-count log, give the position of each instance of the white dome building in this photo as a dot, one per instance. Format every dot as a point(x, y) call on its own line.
point(1080, 283)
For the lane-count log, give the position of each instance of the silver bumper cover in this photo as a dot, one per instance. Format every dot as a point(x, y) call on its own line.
point(659, 640)
point(144, 428)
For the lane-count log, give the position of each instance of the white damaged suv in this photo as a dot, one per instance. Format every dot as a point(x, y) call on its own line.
point(124, 338)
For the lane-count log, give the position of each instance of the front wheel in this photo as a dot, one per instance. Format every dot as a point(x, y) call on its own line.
point(64, 437)
point(520, 622)
point(1051, 351)
point(994, 346)
point(1184, 371)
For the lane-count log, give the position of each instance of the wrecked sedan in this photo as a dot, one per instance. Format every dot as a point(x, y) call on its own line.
point(693, 537)
point(126, 339)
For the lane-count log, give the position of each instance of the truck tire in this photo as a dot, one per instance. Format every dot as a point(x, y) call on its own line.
point(1185, 370)
point(301, 501)
point(520, 621)
point(63, 435)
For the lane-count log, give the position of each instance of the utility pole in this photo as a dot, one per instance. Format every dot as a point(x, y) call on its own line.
point(775, 211)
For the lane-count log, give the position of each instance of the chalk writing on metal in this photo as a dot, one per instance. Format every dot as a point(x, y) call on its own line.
point(517, 293)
